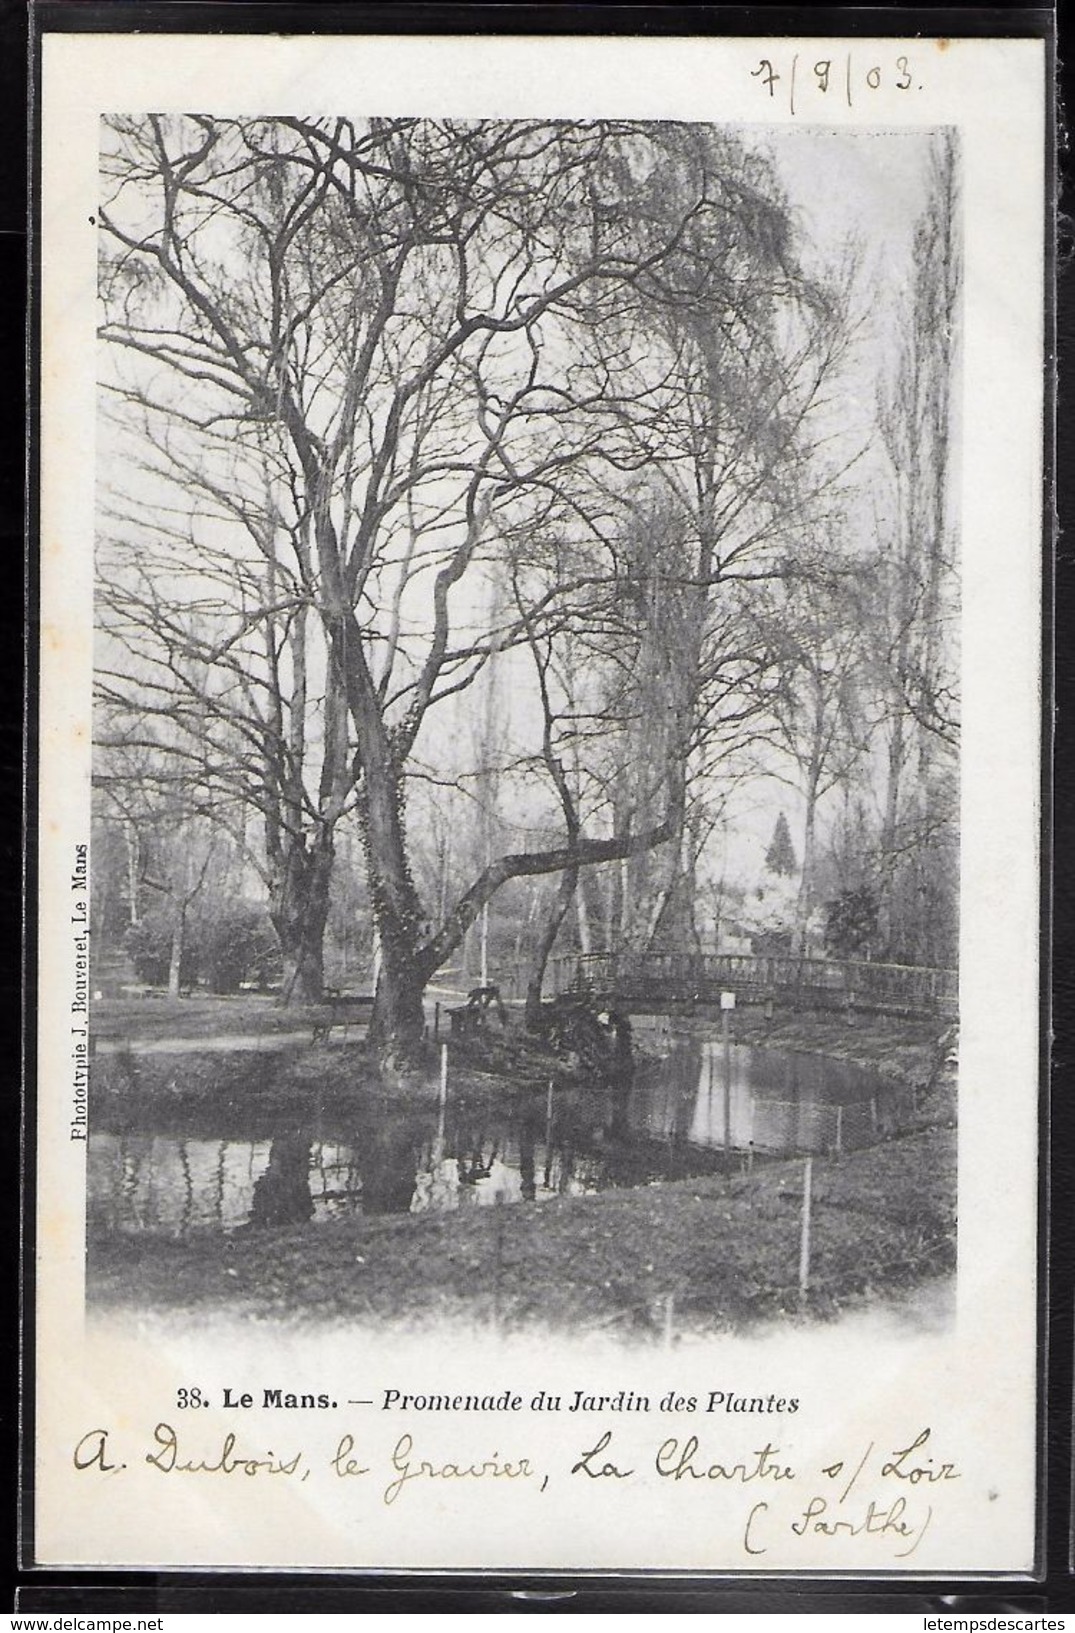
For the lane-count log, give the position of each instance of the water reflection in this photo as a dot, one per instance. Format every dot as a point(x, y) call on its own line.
point(281, 1194)
point(671, 1119)
point(157, 1182)
point(774, 1101)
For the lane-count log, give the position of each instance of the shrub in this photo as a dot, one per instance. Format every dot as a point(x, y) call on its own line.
point(226, 943)
point(236, 943)
point(149, 943)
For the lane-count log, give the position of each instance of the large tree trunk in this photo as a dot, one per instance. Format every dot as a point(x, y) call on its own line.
point(409, 956)
point(397, 1027)
point(651, 887)
point(886, 884)
point(298, 907)
point(805, 904)
point(134, 870)
point(179, 936)
point(676, 928)
point(397, 1030)
point(583, 911)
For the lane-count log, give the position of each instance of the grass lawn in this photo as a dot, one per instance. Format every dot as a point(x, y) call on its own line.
point(724, 1250)
point(202, 1015)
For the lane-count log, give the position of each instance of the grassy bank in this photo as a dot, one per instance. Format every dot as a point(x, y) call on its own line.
point(909, 1050)
point(712, 1253)
point(724, 1250)
point(236, 1089)
point(311, 1078)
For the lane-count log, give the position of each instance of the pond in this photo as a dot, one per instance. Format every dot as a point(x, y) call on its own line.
point(679, 1117)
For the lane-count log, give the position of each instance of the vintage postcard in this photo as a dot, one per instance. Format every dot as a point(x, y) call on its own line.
point(540, 710)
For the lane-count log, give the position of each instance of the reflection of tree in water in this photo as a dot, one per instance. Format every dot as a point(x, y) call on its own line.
point(526, 1162)
point(335, 1180)
point(131, 1181)
point(374, 1173)
point(187, 1214)
point(388, 1159)
point(514, 1153)
point(282, 1193)
point(221, 1176)
point(474, 1166)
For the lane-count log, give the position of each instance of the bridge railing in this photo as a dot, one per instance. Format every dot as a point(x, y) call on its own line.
point(700, 977)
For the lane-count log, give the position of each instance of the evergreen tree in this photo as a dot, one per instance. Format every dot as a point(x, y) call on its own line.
point(780, 857)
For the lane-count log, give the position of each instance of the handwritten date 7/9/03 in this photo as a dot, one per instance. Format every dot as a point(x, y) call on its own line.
point(809, 84)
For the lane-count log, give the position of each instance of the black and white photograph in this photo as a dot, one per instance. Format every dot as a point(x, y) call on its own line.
point(544, 818)
point(526, 744)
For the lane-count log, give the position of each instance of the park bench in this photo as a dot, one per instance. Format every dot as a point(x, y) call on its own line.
point(482, 1004)
point(343, 1007)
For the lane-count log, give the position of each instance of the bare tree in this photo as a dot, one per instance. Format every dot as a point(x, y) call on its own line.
point(405, 321)
point(211, 668)
point(914, 571)
point(174, 853)
point(810, 628)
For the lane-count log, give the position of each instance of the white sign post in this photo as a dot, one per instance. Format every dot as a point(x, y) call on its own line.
point(727, 1004)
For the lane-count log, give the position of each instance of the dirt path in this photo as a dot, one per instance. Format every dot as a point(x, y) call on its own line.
point(228, 1041)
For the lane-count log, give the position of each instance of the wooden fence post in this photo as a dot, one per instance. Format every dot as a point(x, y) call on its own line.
point(804, 1233)
point(727, 1004)
point(442, 1097)
point(498, 1264)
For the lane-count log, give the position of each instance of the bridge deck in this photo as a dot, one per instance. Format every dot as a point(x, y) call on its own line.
point(636, 979)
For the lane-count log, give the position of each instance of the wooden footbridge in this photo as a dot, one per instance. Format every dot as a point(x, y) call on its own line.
point(690, 981)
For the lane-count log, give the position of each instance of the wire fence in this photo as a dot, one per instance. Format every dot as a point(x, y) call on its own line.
point(788, 1126)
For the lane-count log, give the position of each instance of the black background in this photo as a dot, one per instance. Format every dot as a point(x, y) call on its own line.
point(144, 1593)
